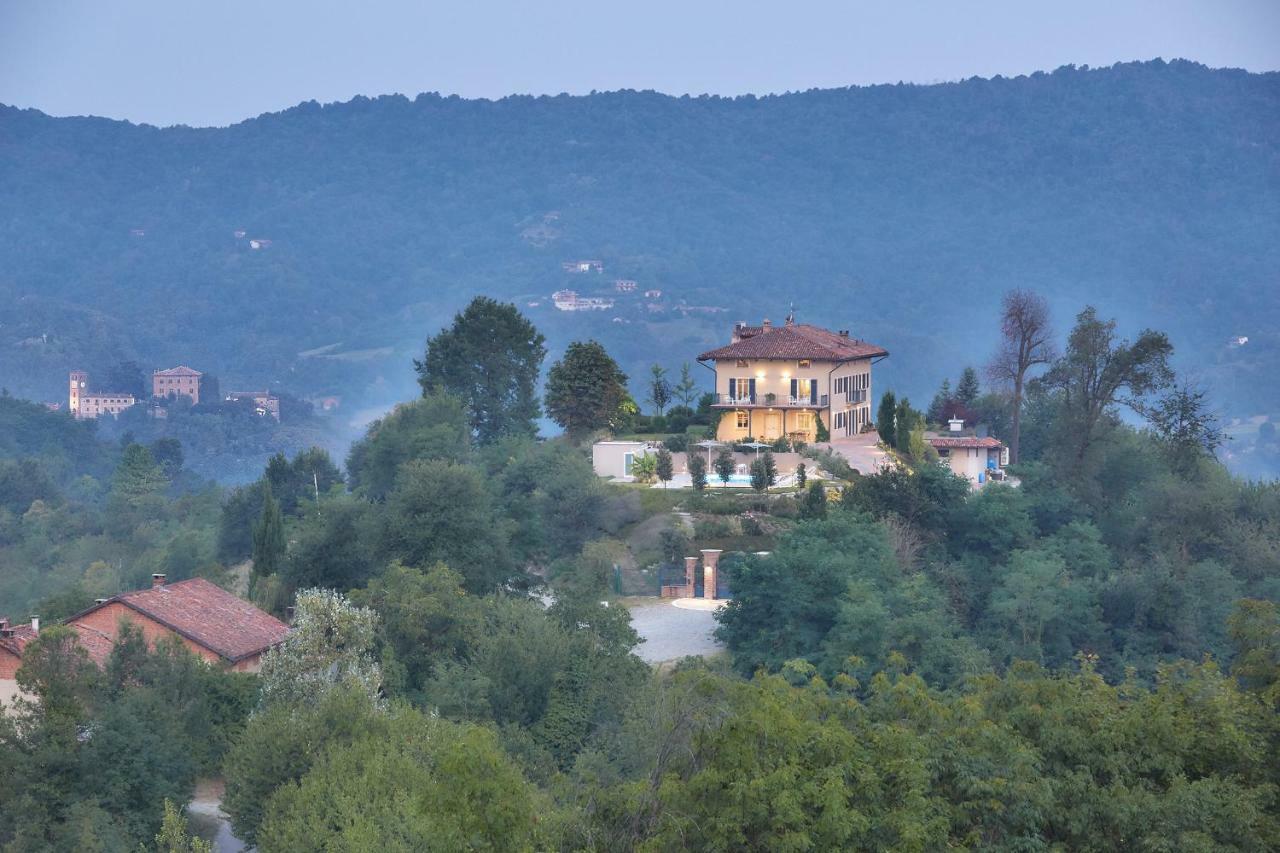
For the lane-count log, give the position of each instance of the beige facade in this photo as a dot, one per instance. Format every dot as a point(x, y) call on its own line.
point(84, 404)
point(978, 460)
point(615, 458)
point(180, 381)
point(781, 381)
point(771, 398)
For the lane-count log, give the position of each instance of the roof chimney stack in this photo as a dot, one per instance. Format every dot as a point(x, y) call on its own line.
point(956, 424)
point(35, 624)
point(844, 333)
point(157, 579)
point(766, 325)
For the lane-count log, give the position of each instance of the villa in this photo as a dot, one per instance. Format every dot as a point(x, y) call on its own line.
point(774, 381)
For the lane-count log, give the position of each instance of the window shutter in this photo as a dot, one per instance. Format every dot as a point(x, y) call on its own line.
point(813, 392)
point(795, 383)
point(733, 388)
point(751, 389)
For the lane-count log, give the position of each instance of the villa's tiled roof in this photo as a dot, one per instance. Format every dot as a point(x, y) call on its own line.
point(205, 614)
point(957, 441)
point(180, 370)
point(796, 341)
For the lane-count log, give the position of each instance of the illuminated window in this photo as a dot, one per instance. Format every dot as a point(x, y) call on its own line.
point(804, 362)
point(743, 420)
point(742, 362)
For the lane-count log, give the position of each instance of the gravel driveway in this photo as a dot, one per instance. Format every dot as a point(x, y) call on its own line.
point(671, 632)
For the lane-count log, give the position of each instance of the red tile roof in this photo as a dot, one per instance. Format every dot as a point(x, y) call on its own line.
point(96, 643)
point(964, 441)
point(22, 634)
point(205, 614)
point(180, 370)
point(799, 340)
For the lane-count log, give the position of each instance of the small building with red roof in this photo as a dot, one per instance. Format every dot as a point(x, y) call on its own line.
point(979, 459)
point(775, 381)
point(214, 624)
point(15, 638)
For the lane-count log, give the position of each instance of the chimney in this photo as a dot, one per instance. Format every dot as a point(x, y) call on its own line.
point(844, 333)
point(35, 624)
point(766, 325)
point(690, 574)
point(157, 579)
point(710, 561)
point(737, 331)
point(956, 424)
point(288, 615)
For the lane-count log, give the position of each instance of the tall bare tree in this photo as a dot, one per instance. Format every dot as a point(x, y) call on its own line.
point(1026, 341)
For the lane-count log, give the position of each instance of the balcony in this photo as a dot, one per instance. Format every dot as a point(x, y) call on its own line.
point(772, 401)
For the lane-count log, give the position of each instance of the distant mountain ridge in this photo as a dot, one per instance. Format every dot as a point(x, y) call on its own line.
point(899, 212)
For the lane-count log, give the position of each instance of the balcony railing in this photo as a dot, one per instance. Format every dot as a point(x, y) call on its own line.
point(856, 396)
point(778, 401)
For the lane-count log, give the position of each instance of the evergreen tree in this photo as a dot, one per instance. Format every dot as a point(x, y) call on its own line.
point(815, 502)
point(759, 476)
point(802, 475)
point(489, 358)
point(586, 390)
point(268, 536)
point(770, 468)
point(665, 468)
point(724, 465)
point(697, 471)
point(884, 418)
point(937, 406)
point(968, 390)
point(904, 421)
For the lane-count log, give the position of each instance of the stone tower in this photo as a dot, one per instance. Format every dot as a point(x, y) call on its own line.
point(79, 386)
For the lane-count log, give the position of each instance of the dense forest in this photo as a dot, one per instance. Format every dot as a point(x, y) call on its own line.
point(903, 210)
point(1086, 660)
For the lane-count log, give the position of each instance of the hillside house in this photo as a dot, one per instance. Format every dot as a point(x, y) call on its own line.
point(569, 300)
point(180, 381)
point(579, 267)
point(87, 405)
point(979, 459)
point(624, 285)
point(14, 639)
point(774, 381)
point(264, 402)
point(215, 625)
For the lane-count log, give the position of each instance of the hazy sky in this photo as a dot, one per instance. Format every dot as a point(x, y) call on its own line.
point(207, 62)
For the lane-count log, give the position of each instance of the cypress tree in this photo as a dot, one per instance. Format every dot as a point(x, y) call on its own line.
point(884, 418)
point(268, 536)
point(698, 471)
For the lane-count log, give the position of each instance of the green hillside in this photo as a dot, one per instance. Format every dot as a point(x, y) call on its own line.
point(901, 212)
